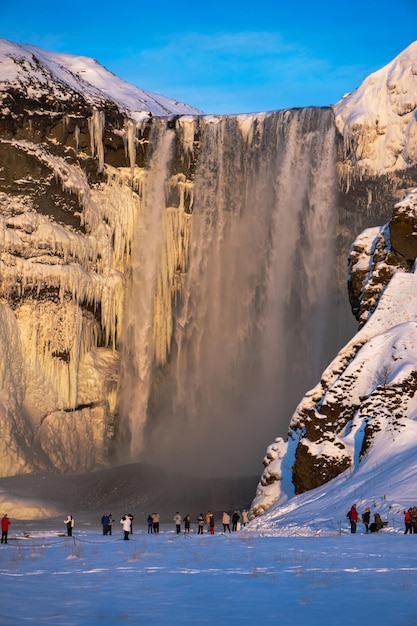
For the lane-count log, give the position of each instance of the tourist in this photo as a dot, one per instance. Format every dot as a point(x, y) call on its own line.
point(127, 526)
point(105, 523)
point(155, 523)
point(211, 523)
point(407, 521)
point(177, 520)
point(5, 524)
point(226, 521)
point(245, 517)
point(150, 521)
point(366, 518)
point(70, 524)
point(200, 522)
point(353, 517)
point(235, 521)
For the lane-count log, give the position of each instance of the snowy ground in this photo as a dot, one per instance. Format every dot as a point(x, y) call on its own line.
point(297, 564)
point(241, 578)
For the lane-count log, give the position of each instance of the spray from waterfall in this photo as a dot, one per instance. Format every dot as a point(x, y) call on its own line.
point(248, 334)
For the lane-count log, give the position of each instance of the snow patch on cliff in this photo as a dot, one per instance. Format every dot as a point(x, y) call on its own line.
point(378, 120)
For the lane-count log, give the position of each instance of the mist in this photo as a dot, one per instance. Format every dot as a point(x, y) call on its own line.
point(258, 313)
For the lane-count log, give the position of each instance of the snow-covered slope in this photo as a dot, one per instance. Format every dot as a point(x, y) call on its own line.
point(384, 481)
point(360, 421)
point(57, 76)
point(378, 120)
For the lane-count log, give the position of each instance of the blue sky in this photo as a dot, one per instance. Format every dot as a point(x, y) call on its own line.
point(225, 56)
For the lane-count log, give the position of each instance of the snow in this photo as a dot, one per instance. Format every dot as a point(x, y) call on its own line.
point(297, 563)
point(242, 578)
point(378, 119)
point(42, 71)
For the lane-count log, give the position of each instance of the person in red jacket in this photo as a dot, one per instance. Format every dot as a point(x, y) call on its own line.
point(407, 522)
point(353, 516)
point(5, 523)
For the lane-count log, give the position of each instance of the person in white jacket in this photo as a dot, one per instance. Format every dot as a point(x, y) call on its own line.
point(70, 524)
point(177, 520)
point(126, 522)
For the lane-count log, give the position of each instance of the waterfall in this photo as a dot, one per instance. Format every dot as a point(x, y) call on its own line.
point(248, 335)
point(138, 352)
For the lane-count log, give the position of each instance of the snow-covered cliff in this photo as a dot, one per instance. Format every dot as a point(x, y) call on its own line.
point(378, 120)
point(66, 229)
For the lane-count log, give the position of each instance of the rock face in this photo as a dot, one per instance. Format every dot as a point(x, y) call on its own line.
point(66, 234)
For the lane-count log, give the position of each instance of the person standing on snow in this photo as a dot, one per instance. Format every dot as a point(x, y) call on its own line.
point(155, 523)
point(366, 518)
point(200, 522)
point(211, 524)
point(413, 513)
point(353, 517)
point(5, 524)
point(245, 517)
point(126, 525)
point(407, 521)
point(70, 524)
point(150, 524)
point(226, 521)
point(177, 520)
point(235, 520)
point(187, 521)
point(105, 520)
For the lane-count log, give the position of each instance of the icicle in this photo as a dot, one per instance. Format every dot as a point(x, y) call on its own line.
point(96, 129)
point(77, 137)
point(130, 145)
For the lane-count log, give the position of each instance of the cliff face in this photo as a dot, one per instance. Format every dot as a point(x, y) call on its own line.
point(68, 204)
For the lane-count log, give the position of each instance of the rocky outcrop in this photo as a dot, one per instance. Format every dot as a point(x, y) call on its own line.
point(370, 387)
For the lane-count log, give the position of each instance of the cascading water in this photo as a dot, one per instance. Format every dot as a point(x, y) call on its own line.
point(249, 335)
point(138, 341)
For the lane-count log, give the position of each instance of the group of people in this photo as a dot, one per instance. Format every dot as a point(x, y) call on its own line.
point(206, 521)
point(107, 522)
point(372, 527)
point(237, 520)
point(153, 523)
point(410, 520)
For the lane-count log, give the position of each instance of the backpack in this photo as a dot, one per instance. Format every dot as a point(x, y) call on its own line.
point(348, 515)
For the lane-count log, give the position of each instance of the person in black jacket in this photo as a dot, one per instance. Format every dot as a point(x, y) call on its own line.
point(366, 518)
point(235, 520)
